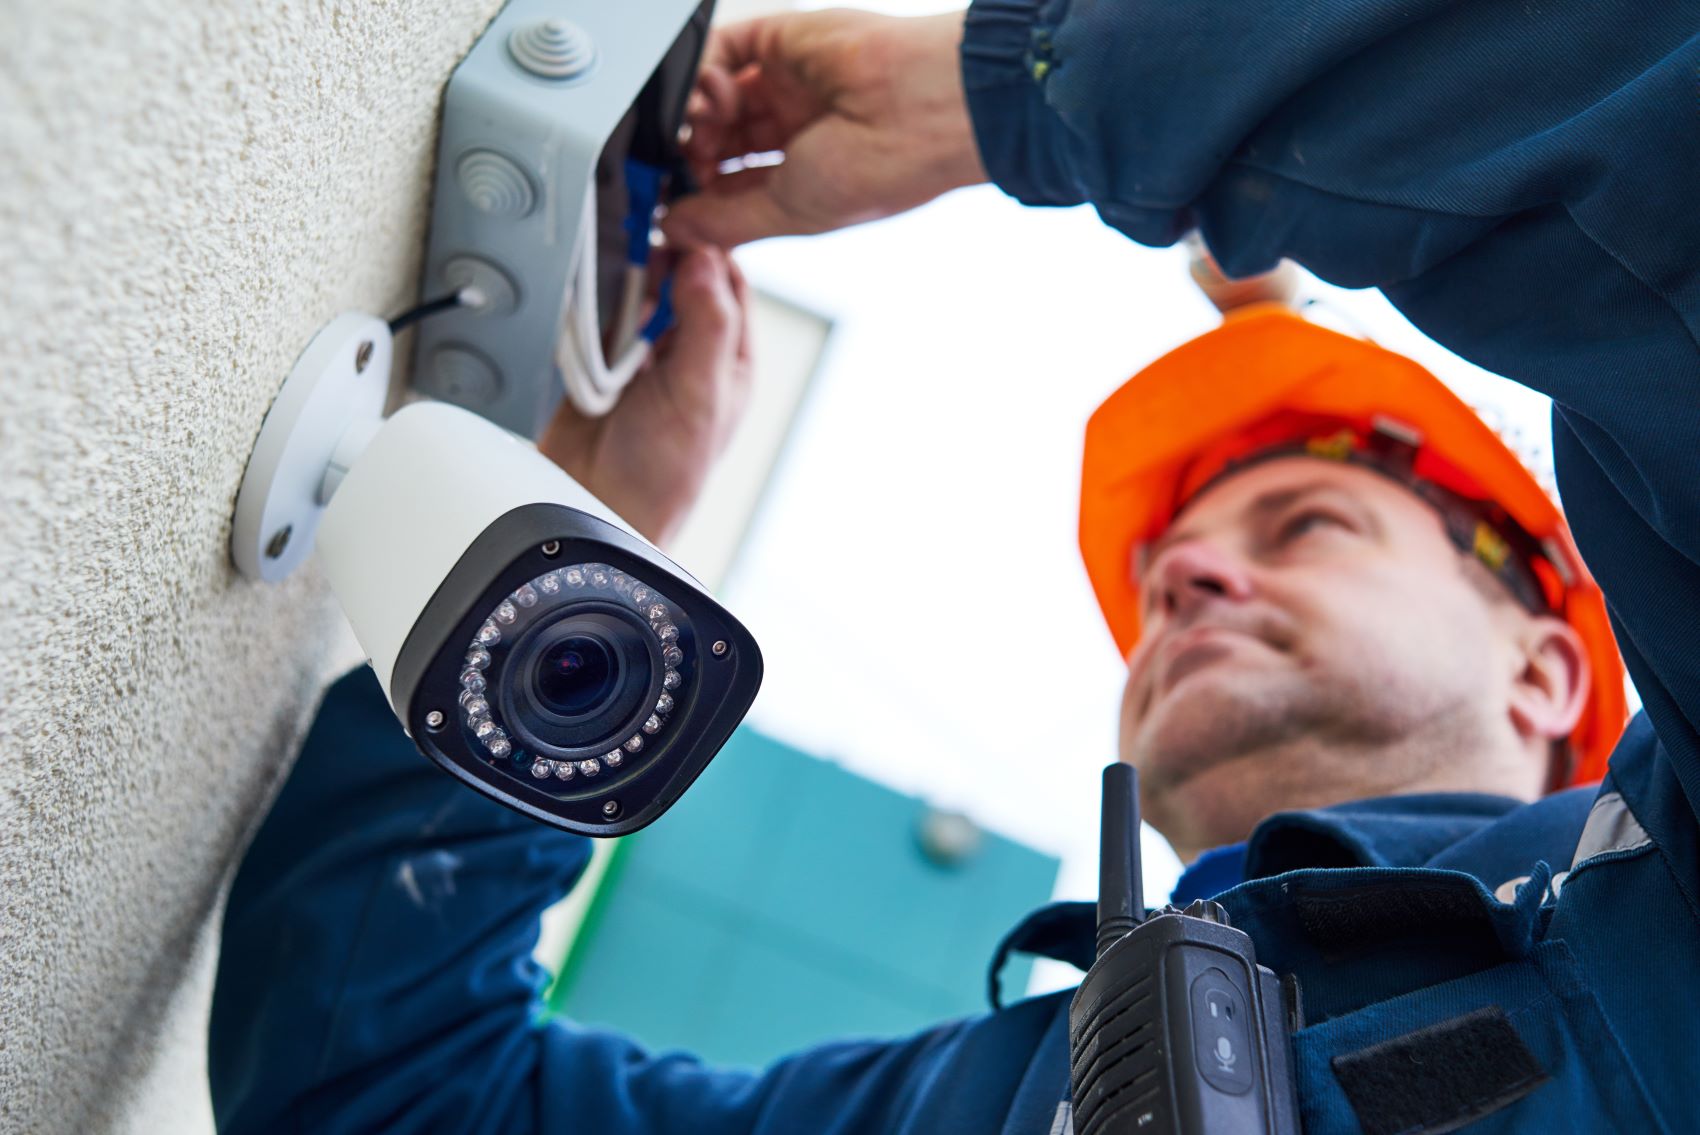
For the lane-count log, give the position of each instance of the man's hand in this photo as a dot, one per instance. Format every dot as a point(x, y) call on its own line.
point(868, 112)
point(648, 457)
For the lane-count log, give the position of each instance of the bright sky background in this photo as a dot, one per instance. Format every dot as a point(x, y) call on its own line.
point(912, 575)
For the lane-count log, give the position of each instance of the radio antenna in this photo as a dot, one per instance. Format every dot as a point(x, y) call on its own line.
point(1121, 897)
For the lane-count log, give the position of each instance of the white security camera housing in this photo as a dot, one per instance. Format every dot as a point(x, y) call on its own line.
point(530, 641)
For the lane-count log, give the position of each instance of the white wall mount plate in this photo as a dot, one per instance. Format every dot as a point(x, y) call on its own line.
point(337, 388)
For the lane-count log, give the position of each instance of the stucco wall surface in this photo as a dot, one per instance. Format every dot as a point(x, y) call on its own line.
point(190, 189)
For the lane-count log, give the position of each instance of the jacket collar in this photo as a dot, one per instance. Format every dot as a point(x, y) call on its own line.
point(1391, 831)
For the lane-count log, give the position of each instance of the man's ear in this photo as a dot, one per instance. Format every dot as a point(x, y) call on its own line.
point(1550, 692)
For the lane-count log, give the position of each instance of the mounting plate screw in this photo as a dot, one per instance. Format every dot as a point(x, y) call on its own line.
point(363, 356)
point(434, 719)
point(279, 541)
point(719, 648)
point(610, 808)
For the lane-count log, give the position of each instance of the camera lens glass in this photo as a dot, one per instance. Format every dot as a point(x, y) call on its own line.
point(579, 676)
point(575, 675)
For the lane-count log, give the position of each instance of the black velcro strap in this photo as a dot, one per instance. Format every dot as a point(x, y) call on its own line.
point(1357, 917)
point(1439, 1078)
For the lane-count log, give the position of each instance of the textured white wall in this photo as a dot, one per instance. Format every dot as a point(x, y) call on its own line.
point(191, 188)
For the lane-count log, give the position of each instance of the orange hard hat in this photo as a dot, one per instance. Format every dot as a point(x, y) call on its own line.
point(1268, 379)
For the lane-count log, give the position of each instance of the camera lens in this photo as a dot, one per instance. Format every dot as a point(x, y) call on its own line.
point(576, 671)
point(581, 680)
point(575, 675)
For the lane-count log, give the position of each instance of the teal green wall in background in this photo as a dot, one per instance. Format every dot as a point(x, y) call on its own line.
point(786, 901)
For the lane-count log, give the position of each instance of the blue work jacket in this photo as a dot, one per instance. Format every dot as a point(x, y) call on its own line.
point(1523, 180)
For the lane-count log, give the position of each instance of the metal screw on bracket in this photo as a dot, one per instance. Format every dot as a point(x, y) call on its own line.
point(363, 356)
point(552, 548)
point(611, 808)
point(719, 648)
point(279, 541)
point(434, 719)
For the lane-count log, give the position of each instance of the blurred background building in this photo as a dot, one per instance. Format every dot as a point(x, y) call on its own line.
point(787, 901)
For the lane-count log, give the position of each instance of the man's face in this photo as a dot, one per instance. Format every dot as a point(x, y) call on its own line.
point(1302, 621)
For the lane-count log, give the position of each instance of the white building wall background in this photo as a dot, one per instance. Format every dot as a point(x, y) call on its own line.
point(191, 188)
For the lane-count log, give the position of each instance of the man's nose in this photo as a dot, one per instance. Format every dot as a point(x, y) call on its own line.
point(1191, 574)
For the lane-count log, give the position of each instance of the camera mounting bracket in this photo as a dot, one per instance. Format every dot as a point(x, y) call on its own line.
point(329, 406)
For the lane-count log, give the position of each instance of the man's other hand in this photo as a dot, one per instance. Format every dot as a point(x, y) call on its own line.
point(648, 457)
point(867, 111)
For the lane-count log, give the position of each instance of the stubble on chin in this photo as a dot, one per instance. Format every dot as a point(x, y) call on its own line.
point(1205, 750)
point(1211, 719)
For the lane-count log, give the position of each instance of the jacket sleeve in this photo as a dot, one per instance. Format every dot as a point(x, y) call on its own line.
point(1521, 180)
point(376, 975)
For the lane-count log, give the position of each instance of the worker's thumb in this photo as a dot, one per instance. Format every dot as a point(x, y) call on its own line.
point(728, 219)
point(704, 303)
point(708, 330)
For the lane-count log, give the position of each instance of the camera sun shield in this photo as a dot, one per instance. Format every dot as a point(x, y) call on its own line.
point(564, 668)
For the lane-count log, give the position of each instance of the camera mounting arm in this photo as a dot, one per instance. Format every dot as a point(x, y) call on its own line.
point(328, 408)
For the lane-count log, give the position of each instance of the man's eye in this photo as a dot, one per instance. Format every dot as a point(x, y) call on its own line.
point(1304, 523)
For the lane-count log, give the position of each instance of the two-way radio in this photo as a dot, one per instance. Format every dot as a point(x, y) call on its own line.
point(1176, 1028)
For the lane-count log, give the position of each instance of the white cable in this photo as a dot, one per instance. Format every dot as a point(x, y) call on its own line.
point(631, 308)
point(593, 384)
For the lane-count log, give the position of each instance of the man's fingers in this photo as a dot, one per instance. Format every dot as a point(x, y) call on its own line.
point(763, 136)
point(737, 209)
point(712, 108)
point(741, 294)
point(705, 304)
point(732, 47)
point(757, 134)
point(718, 91)
point(702, 350)
point(730, 117)
point(726, 219)
point(741, 181)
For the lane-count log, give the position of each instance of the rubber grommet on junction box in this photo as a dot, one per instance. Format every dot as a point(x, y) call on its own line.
point(553, 49)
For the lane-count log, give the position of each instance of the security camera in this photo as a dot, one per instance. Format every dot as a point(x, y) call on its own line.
point(531, 642)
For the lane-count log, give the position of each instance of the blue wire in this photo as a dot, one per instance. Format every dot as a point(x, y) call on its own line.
point(662, 318)
point(643, 194)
